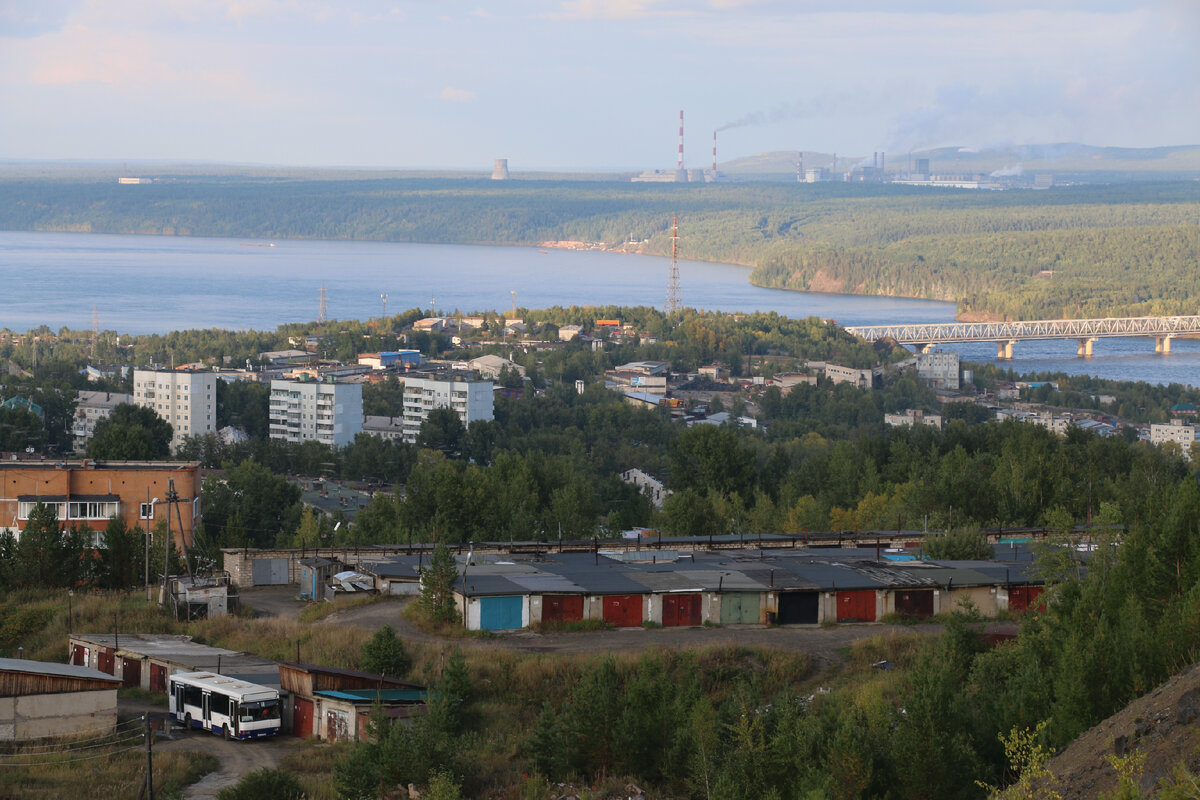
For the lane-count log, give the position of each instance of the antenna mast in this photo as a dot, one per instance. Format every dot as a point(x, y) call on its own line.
point(673, 304)
point(321, 309)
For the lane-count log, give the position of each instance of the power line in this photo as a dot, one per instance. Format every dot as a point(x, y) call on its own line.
point(50, 751)
point(73, 760)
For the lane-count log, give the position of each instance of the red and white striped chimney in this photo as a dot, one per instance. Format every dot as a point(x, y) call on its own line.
point(680, 166)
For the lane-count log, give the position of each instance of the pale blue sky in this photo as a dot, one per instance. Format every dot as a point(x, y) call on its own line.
point(585, 84)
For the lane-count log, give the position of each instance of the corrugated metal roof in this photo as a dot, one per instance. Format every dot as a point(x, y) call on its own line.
point(542, 583)
point(59, 670)
point(371, 695)
point(479, 584)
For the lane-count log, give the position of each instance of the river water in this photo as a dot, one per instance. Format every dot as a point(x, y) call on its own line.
point(155, 284)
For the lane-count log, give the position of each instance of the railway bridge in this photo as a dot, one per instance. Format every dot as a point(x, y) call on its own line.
point(1007, 334)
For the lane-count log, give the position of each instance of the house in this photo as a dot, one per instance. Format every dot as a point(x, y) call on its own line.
point(912, 416)
point(40, 700)
point(432, 324)
point(87, 493)
point(18, 403)
point(568, 332)
point(388, 428)
point(939, 370)
point(394, 359)
point(490, 366)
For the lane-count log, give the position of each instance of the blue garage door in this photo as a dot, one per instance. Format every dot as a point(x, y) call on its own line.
point(500, 613)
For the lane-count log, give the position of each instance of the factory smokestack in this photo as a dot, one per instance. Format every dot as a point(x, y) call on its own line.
point(800, 167)
point(882, 161)
point(714, 154)
point(680, 166)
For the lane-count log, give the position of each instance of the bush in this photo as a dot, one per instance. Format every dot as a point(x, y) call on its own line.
point(266, 782)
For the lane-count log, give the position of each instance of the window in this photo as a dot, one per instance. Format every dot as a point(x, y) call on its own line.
point(146, 511)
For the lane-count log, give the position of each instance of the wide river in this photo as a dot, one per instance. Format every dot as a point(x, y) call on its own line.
point(155, 284)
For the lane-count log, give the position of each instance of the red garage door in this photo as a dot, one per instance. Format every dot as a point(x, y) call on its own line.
point(79, 655)
point(158, 678)
point(856, 606)
point(562, 608)
point(105, 661)
point(681, 609)
point(1021, 598)
point(917, 604)
point(623, 610)
point(131, 672)
point(302, 718)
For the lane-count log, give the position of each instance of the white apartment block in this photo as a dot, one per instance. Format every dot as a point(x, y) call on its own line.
point(90, 408)
point(912, 416)
point(1175, 431)
point(311, 411)
point(470, 400)
point(939, 370)
point(186, 399)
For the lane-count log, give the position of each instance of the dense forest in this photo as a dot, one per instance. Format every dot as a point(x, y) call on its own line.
point(1072, 251)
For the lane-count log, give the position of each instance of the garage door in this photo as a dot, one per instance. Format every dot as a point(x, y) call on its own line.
point(681, 609)
point(917, 604)
point(562, 608)
point(798, 608)
point(856, 605)
point(740, 608)
point(1020, 598)
point(623, 610)
point(500, 613)
point(158, 678)
point(270, 572)
point(131, 672)
point(302, 718)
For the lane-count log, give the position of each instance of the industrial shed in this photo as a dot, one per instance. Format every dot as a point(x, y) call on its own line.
point(39, 699)
point(315, 573)
point(336, 704)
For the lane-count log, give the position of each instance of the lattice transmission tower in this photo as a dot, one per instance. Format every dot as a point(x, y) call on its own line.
point(673, 304)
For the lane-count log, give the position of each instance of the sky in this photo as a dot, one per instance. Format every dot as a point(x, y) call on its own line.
point(585, 84)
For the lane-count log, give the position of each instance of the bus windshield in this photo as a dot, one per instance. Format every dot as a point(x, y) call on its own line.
point(259, 711)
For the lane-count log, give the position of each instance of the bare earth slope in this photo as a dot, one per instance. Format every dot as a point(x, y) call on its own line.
point(1164, 724)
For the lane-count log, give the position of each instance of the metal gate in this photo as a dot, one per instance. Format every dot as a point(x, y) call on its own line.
point(337, 725)
point(131, 672)
point(856, 606)
point(1021, 598)
point(270, 572)
point(302, 718)
point(562, 608)
point(915, 603)
point(500, 613)
point(158, 678)
point(681, 609)
point(740, 608)
point(623, 610)
point(798, 608)
point(105, 662)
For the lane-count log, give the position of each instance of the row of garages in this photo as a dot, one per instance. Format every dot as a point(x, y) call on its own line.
point(779, 587)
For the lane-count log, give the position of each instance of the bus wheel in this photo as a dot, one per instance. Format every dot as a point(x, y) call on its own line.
point(187, 721)
point(226, 732)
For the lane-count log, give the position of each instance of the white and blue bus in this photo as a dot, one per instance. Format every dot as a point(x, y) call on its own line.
point(233, 708)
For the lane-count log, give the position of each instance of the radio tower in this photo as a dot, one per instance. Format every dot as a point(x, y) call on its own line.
point(673, 304)
point(321, 309)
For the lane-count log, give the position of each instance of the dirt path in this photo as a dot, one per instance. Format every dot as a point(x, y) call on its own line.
point(235, 758)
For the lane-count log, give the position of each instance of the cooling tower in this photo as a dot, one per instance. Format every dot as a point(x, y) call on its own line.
point(500, 170)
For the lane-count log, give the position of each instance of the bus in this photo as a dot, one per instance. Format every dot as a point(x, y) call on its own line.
point(234, 708)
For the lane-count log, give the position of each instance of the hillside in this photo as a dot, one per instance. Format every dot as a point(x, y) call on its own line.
point(1162, 724)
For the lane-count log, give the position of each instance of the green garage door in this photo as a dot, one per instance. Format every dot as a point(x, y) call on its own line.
point(739, 608)
point(500, 613)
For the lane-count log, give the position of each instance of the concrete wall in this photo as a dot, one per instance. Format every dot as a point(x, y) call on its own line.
point(67, 714)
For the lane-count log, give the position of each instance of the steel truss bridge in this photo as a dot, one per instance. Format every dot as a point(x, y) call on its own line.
point(1006, 334)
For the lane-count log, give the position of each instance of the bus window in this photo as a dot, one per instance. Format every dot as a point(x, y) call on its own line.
point(260, 711)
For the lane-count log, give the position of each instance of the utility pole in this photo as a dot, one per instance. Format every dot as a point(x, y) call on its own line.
point(148, 787)
point(383, 297)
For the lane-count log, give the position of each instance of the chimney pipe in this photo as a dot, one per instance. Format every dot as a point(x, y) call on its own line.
point(714, 154)
point(680, 165)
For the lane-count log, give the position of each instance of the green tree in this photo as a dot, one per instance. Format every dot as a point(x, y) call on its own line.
point(132, 433)
point(437, 585)
point(122, 555)
point(46, 553)
point(384, 654)
point(442, 430)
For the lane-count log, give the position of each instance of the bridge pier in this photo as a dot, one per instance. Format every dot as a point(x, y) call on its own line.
point(1004, 350)
point(1085, 347)
point(1162, 344)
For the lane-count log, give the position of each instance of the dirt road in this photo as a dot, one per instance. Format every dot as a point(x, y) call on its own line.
point(825, 645)
point(235, 758)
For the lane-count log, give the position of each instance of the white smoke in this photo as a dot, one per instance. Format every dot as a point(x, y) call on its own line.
point(1007, 172)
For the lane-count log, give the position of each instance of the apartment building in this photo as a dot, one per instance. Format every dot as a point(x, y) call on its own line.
point(471, 400)
point(86, 494)
point(185, 398)
point(90, 408)
point(1175, 431)
point(303, 411)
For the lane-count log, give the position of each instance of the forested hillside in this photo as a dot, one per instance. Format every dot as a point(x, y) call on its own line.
point(1071, 251)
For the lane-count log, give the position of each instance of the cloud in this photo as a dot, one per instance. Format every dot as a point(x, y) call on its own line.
point(623, 10)
point(457, 95)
